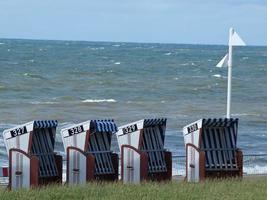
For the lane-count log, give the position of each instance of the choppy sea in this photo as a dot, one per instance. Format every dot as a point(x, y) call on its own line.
point(77, 81)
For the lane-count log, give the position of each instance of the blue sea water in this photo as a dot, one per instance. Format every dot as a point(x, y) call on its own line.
point(77, 81)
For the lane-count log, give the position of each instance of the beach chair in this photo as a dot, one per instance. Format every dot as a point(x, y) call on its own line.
point(143, 156)
point(89, 157)
point(211, 150)
point(32, 160)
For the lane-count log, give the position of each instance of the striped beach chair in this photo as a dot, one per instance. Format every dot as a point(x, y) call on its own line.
point(143, 156)
point(88, 151)
point(211, 150)
point(32, 161)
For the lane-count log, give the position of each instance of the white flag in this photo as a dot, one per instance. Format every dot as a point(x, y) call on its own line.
point(223, 62)
point(236, 40)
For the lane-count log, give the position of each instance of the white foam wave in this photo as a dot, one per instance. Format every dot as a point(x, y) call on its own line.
point(117, 63)
point(1, 43)
point(116, 45)
point(257, 169)
point(168, 54)
point(99, 100)
point(43, 102)
point(217, 75)
point(184, 64)
point(35, 76)
point(245, 114)
point(96, 48)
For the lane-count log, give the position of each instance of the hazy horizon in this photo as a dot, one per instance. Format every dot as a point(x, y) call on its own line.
point(124, 42)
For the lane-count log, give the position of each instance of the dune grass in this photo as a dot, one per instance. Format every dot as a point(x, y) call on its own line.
point(255, 188)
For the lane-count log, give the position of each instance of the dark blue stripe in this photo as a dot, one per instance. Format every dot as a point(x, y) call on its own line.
point(155, 122)
point(219, 122)
point(107, 125)
point(45, 123)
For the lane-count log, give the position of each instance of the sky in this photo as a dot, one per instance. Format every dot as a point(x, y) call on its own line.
point(159, 21)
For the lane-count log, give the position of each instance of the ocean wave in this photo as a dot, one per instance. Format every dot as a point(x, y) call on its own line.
point(168, 54)
point(43, 102)
point(35, 76)
point(217, 75)
point(245, 114)
point(99, 100)
point(117, 63)
point(198, 76)
point(257, 169)
point(97, 48)
point(184, 64)
point(208, 87)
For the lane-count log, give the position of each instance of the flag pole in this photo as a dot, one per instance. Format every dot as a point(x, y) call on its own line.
point(230, 64)
point(227, 61)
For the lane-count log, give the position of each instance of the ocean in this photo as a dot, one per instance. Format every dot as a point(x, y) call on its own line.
point(77, 81)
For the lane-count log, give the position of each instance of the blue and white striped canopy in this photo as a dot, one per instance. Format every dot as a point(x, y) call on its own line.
point(106, 125)
point(155, 122)
point(219, 122)
point(45, 124)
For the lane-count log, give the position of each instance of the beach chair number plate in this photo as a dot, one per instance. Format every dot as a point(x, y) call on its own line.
point(192, 128)
point(18, 131)
point(76, 130)
point(130, 129)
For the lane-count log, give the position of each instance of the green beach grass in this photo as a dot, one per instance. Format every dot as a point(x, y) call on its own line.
point(249, 188)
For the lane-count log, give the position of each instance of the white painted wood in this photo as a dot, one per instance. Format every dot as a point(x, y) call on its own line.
point(131, 138)
point(191, 136)
point(20, 163)
point(20, 141)
point(75, 140)
point(192, 164)
point(131, 166)
point(77, 167)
